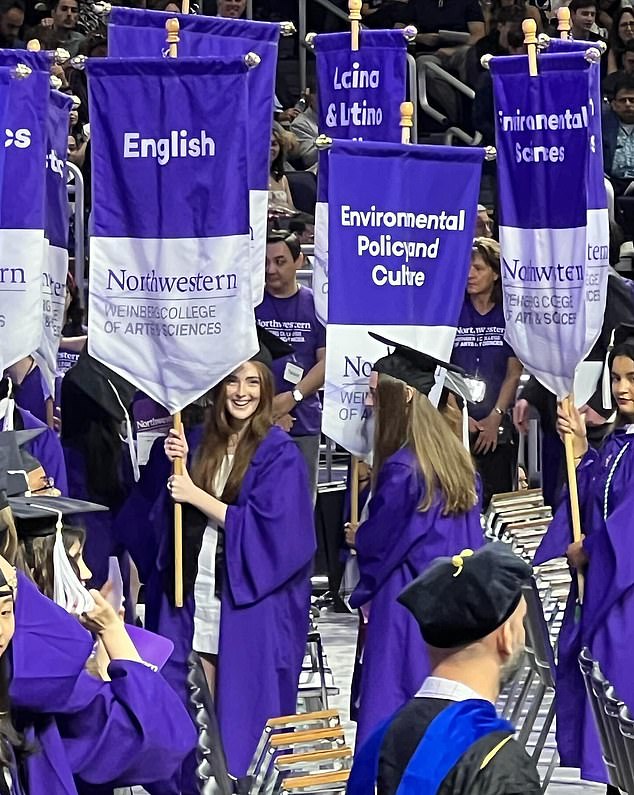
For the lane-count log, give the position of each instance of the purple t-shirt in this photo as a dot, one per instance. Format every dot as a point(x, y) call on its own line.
point(294, 320)
point(480, 349)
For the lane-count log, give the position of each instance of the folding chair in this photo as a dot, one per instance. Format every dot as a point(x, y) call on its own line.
point(626, 727)
point(594, 682)
point(212, 773)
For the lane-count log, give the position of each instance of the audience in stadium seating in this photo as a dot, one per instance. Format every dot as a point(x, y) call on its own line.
point(59, 30)
point(622, 31)
point(304, 128)
point(618, 135)
point(609, 84)
point(11, 21)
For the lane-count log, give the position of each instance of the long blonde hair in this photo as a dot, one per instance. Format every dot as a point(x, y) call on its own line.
point(218, 431)
point(444, 463)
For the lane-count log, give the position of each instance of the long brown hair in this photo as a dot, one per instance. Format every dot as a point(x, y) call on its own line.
point(444, 463)
point(38, 556)
point(218, 430)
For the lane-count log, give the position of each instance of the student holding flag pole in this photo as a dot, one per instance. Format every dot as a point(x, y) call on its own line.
point(605, 622)
point(250, 524)
point(424, 505)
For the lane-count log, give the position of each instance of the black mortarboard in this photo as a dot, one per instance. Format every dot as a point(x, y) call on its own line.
point(15, 464)
point(415, 368)
point(462, 599)
point(37, 516)
point(99, 383)
point(624, 333)
point(271, 347)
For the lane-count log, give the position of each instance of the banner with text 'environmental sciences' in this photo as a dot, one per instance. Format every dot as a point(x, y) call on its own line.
point(553, 216)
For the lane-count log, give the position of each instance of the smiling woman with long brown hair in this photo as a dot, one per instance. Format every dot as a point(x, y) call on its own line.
point(251, 527)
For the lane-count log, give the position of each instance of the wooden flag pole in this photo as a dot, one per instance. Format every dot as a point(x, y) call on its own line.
point(407, 122)
point(185, 7)
point(354, 491)
point(573, 493)
point(354, 15)
point(529, 29)
point(563, 22)
point(172, 27)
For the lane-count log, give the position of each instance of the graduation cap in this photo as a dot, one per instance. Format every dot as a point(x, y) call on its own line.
point(110, 391)
point(621, 335)
point(418, 370)
point(39, 517)
point(462, 599)
point(15, 464)
point(271, 347)
point(415, 368)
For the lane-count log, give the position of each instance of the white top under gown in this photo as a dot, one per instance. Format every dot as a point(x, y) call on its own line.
point(207, 604)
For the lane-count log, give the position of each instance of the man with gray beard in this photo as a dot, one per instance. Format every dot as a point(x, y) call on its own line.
point(448, 738)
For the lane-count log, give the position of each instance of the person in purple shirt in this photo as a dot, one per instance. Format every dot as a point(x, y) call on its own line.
point(30, 389)
point(424, 505)
point(481, 351)
point(288, 311)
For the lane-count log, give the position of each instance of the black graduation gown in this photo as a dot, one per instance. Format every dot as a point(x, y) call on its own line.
point(509, 772)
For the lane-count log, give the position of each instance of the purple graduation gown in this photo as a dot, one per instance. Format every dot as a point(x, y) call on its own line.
point(394, 545)
point(31, 396)
point(131, 730)
point(269, 544)
point(606, 621)
point(101, 537)
point(47, 448)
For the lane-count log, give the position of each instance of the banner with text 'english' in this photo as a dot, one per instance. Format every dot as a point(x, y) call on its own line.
point(553, 212)
point(170, 293)
point(360, 95)
point(134, 32)
point(401, 220)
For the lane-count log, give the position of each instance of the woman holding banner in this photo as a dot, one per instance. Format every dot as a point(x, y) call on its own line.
point(424, 505)
point(480, 349)
point(605, 621)
point(253, 539)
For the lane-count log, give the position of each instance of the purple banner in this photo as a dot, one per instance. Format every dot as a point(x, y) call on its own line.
point(165, 136)
point(554, 244)
point(401, 221)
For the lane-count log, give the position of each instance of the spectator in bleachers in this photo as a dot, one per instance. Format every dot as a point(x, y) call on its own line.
point(59, 30)
point(11, 21)
point(280, 199)
point(622, 32)
point(431, 16)
point(484, 225)
point(93, 46)
point(383, 13)
point(618, 135)
point(480, 349)
point(583, 17)
point(231, 9)
point(506, 18)
point(171, 6)
point(483, 112)
point(304, 128)
point(608, 87)
point(528, 11)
